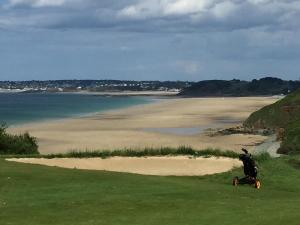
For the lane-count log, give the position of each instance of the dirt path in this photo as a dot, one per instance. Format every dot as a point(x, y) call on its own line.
point(271, 145)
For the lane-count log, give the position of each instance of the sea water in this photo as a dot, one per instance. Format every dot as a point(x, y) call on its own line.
point(20, 108)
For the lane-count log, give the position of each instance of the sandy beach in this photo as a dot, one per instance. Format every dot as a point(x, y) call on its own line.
point(171, 122)
point(128, 93)
point(159, 166)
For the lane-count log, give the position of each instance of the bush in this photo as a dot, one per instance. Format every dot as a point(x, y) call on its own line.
point(16, 144)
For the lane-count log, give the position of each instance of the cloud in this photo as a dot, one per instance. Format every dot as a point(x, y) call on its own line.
point(224, 9)
point(188, 66)
point(164, 8)
point(197, 36)
point(204, 15)
point(37, 3)
point(153, 15)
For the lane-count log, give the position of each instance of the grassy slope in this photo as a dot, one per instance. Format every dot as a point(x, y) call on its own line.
point(276, 116)
point(291, 141)
point(31, 194)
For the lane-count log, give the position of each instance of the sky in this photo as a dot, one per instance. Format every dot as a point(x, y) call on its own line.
point(149, 39)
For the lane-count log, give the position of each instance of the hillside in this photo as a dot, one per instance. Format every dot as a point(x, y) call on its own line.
point(264, 86)
point(283, 114)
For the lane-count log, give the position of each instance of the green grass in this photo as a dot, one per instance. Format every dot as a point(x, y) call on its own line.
point(35, 195)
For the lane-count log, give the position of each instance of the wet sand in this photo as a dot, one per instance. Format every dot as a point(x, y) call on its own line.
point(169, 123)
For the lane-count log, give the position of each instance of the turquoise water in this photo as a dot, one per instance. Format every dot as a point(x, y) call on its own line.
point(20, 108)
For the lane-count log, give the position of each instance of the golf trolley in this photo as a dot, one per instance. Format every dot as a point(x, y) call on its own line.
point(250, 171)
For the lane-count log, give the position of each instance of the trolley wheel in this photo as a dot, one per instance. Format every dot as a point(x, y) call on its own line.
point(257, 184)
point(235, 181)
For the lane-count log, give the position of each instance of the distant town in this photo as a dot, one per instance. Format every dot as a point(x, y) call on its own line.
point(207, 88)
point(92, 86)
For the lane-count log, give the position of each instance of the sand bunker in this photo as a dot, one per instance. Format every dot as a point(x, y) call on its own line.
point(160, 166)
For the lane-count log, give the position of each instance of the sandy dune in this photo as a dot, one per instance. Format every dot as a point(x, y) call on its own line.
point(161, 166)
point(131, 128)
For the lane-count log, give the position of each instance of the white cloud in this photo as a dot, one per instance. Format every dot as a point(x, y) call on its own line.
point(181, 7)
point(38, 3)
point(143, 9)
point(206, 9)
point(161, 8)
point(224, 9)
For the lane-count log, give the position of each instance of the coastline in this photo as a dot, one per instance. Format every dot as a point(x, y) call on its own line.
point(127, 93)
point(22, 126)
point(100, 93)
point(129, 127)
point(31, 108)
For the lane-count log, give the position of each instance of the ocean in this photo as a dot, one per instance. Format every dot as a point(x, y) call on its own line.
point(20, 108)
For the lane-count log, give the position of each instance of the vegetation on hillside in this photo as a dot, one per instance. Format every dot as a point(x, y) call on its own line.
point(16, 144)
point(291, 141)
point(285, 115)
point(264, 86)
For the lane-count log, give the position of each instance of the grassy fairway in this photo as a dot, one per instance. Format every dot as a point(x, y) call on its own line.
point(31, 194)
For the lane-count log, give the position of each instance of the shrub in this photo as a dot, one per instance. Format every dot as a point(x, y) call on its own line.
point(17, 144)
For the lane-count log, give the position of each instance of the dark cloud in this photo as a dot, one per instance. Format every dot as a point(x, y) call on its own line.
point(149, 39)
point(153, 15)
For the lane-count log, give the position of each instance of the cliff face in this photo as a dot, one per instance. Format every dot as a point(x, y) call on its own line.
point(284, 118)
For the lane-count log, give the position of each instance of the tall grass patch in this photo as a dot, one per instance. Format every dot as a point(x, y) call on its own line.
point(164, 151)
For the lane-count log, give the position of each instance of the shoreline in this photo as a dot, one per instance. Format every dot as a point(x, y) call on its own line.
point(128, 93)
point(128, 128)
point(85, 115)
point(148, 100)
point(100, 93)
